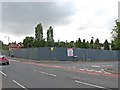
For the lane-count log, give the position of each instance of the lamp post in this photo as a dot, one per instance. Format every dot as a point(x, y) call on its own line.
point(8, 38)
point(8, 44)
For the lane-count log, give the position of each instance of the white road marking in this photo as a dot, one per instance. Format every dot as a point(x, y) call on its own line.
point(81, 69)
point(90, 70)
point(85, 68)
point(53, 75)
point(20, 85)
point(93, 70)
point(3, 73)
point(105, 71)
point(102, 69)
point(98, 71)
point(46, 73)
point(89, 84)
point(35, 70)
point(95, 66)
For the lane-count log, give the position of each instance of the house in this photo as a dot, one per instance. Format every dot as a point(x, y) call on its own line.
point(14, 45)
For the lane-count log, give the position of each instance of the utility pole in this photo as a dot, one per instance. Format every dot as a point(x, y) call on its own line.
point(8, 38)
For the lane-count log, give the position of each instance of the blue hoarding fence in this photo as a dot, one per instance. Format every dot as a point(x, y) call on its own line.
point(61, 54)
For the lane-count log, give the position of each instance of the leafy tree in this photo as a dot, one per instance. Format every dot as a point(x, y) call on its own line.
point(97, 44)
point(62, 44)
point(84, 45)
point(50, 40)
point(39, 41)
point(78, 43)
point(1, 45)
point(66, 44)
point(87, 44)
point(56, 44)
point(39, 32)
point(91, 43)
point(71, 44)
point(106, 45)
point(28, 42)
point(116, 35)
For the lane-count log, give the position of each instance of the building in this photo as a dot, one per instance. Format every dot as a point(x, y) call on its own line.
point(14, 45)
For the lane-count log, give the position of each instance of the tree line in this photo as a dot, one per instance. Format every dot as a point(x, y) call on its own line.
point(40, 41)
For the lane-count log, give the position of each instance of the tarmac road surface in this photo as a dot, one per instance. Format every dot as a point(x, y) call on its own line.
point(26, 75)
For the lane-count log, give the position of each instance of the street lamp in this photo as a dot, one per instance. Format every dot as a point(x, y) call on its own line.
point(8, 44)
point(8, 39)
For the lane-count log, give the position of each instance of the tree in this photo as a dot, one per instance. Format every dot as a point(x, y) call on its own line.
point(71, 44)
point(97, 44)
point(87, 44)
point(1, 45)
point(56, 44)
point(66, 44)
point(39, 32)
point(50, 40)
point(62, 44)
point(84, 44)
point(39, 41)
point(106, 45)
point(78, 43)
point(116, 36)
point(92, 43)
point(28, 42)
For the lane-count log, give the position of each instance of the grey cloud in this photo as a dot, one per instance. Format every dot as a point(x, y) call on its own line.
point(82, 28)
point(20, 18)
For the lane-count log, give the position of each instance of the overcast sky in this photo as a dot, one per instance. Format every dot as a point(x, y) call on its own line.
point(70, 19)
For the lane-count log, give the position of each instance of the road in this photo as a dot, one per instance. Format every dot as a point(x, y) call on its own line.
point(28, 75)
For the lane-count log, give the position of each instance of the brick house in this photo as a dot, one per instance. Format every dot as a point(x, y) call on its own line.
point(14, 45)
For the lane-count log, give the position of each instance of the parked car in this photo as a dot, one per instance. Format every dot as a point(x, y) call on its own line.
point(4, 60)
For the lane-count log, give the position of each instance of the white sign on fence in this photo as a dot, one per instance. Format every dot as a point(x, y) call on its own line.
point(69, 52)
